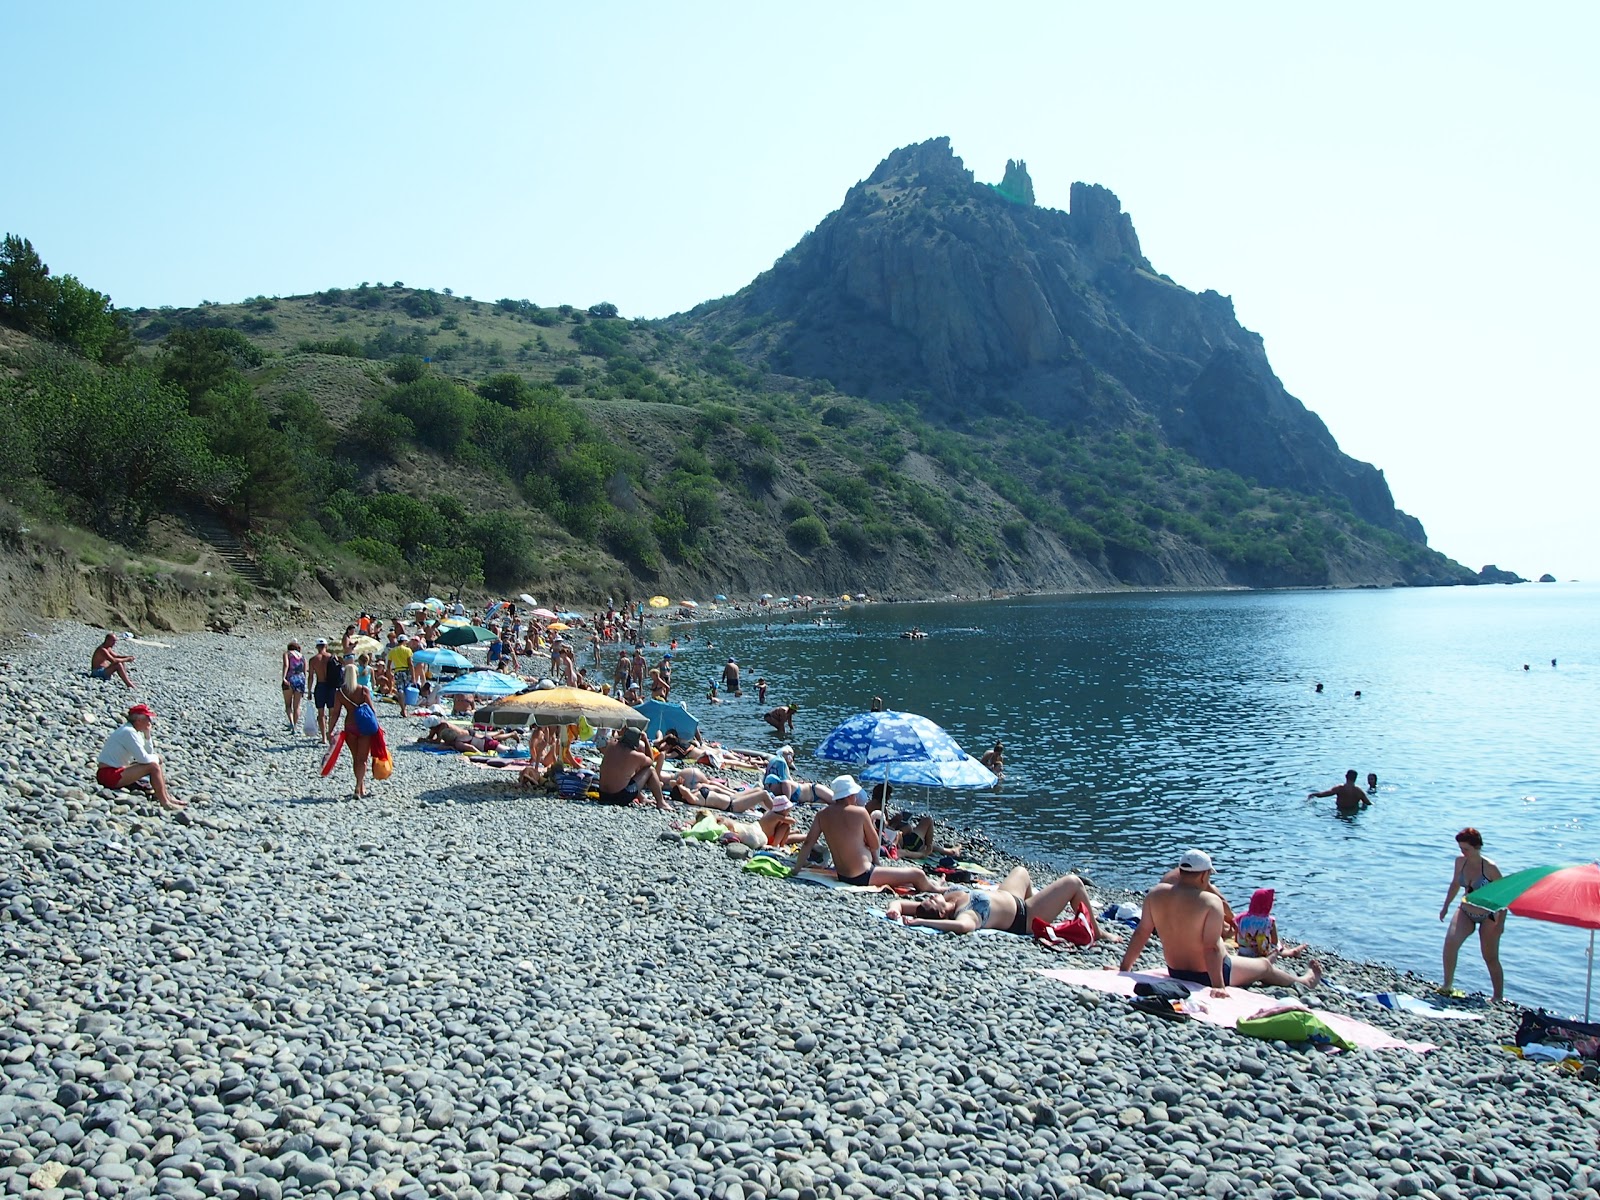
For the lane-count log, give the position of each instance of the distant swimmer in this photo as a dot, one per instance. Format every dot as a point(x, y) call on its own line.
point(1349, 797)
point(1524, 666)
point(1552, 662)
point(1372, 782)
point(1358, 693)
point(1319, 689)
point(995, 758)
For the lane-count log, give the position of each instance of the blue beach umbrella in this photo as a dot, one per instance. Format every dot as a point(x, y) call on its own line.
point(665, 716)
point(968, 774)
point(872, 738)
point(442, 657)
point(719, 596)
point(485, 683)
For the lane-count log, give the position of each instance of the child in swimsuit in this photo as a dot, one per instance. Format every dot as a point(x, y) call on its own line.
point(1258, 930)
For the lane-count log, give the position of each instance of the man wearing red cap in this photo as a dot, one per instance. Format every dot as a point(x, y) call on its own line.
point(129, 759)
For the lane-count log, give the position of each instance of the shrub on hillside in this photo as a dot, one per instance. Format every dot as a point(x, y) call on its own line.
point(852, 540)
point(344, 347)
point(379, 430)
point(807, 534)
point(408, 368)
point(119, 444)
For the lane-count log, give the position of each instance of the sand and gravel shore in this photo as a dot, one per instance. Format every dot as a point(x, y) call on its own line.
point(453, 989)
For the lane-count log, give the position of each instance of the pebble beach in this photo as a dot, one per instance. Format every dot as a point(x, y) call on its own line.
point(453, 988)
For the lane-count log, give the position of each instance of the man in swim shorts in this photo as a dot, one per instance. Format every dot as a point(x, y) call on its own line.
point(106, 662)
point(1188, 919)
point(627, 769)
point(853, 841)
point(323, 672)
point(1348, 797)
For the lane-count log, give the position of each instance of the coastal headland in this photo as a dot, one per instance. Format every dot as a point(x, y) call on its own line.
point(453, 988)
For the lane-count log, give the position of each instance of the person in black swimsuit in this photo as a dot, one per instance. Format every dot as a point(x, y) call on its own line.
point(1012, 908)
point(1472, 871)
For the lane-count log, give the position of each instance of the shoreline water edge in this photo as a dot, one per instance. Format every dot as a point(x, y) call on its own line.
point(454, 987)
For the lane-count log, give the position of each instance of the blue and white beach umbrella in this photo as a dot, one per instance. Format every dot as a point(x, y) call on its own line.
point(868, 739)
point(968, 774)
point(485, 683)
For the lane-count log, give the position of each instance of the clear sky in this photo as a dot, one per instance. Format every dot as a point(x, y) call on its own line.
point(1398, 197)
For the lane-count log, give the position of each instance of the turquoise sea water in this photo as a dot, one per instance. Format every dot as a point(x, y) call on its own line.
point(1136, 726)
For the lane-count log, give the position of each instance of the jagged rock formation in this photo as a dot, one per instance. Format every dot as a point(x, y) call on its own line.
point(1017, 186)
point(928, 286)
point(1493, 574)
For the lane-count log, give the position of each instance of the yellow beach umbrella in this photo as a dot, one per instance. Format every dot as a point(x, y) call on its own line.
point(557, 627)
point(561, 706)
point(660, 602)
point(365, 645)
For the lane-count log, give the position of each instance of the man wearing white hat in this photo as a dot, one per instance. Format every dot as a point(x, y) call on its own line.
point(1188, 917)
point(853, 841)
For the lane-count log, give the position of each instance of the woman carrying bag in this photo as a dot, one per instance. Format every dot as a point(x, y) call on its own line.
point(361, 733)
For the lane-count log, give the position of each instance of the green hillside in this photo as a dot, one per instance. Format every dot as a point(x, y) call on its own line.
point(385, 433)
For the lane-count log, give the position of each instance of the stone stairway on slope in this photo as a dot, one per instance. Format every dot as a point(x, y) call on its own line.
point(229, 546)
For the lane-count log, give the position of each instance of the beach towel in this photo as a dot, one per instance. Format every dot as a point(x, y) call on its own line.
point(761, 864)
point(334, 751)
point(706, 829)
point(1414, 1006)
point(1293, 1024)
point(1238, 1004)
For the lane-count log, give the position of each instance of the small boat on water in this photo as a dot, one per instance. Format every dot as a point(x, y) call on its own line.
point(913, 634)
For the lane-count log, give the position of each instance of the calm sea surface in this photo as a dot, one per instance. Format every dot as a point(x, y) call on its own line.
point(1136, 726)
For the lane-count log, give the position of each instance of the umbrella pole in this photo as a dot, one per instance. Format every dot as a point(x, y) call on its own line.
point(1588, 987)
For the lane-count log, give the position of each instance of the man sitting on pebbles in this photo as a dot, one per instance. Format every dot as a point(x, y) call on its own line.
point(1188, 919)
point(853, 841)
point(128, 760)
point(106, 662)
point(627, 769)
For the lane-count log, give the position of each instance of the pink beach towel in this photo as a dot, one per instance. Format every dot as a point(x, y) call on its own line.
point(1237, 1004)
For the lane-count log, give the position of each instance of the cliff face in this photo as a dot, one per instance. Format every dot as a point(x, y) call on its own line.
point(927, 285)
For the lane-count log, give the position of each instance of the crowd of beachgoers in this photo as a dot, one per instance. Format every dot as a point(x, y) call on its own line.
point(479, 979)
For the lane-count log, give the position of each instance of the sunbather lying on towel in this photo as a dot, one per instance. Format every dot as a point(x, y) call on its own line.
point(458, 737)
point(691, 786)
point(774, 829)
point(1012, 908)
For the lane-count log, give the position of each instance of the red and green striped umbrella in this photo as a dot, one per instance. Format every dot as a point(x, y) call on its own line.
point(1563, 895)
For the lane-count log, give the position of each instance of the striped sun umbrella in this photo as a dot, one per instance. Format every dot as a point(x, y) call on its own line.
point(1567, 895)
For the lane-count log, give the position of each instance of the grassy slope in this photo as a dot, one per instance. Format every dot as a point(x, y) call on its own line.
point(819, 436)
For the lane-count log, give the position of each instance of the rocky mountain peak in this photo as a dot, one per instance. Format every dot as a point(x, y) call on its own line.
point(969, 297)
point(926, 164)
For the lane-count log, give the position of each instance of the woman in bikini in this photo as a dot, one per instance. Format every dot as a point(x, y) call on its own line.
point(1472, 871)
point(775, 828)
point(1011, 908)
point(691, 786)
point(351, 696)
